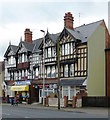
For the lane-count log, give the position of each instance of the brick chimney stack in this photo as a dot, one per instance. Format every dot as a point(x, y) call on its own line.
point(68, 21)
point(28, 35)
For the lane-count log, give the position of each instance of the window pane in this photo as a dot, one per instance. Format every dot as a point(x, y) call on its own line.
point(48, 72)
point(66, 48)
point(62, 49)
point(53, 71)
point(66, 71)
point(65, 91)
point(49, 52)
point(36, 72)
point(71, 45)
point(72, 70)
point(71, 92)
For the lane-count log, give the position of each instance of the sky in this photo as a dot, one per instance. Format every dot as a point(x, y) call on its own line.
point(17, 15)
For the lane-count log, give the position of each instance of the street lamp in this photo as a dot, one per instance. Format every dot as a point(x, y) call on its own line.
point(43, 67)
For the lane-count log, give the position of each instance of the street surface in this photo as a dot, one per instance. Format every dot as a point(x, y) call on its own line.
point(9, 111)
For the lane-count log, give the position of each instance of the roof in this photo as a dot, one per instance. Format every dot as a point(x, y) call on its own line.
point(82, 33)
point(85, 31)
point(14, 48)
point(72, 82)
point(28, 46)
point(54, 37)
point(37, 43)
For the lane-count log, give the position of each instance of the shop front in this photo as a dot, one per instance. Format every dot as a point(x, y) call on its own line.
point(49, 89)
point(21, 90)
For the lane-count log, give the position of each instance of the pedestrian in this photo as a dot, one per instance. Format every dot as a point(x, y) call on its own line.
point(12, 101)
point(15, 101)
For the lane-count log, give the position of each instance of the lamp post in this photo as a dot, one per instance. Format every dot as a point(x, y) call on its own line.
point(58, 65)
point(43, 67)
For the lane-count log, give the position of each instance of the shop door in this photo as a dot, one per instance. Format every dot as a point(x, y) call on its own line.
point(37, 94)
point(40, 95)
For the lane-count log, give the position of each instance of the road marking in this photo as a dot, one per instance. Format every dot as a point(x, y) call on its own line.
point(6, 114)
point(26, 117)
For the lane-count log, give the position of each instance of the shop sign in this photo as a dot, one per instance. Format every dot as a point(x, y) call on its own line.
point(53, 86)
point(27, 82)
point(41, 86)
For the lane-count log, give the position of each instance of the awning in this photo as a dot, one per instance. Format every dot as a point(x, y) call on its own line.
point(73, 82)
point(20, 88)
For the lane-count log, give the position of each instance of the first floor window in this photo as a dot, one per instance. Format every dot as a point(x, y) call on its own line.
point(53, 71)
point(62, 49)
point(49, 52)
point(72, 70)
point(48, 72)
point(36, 72)
point(66, 71)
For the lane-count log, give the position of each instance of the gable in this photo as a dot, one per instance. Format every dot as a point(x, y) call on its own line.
point(21, 49)
point(66, 36)
point(48, 43)
point(10, 53)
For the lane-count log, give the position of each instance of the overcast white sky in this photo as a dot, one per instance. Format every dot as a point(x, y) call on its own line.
point(37, 15)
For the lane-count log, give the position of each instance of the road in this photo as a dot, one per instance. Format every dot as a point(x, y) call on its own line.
point(9, 111)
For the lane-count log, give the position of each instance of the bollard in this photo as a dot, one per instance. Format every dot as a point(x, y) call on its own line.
point(74, 101)
point(65, 101)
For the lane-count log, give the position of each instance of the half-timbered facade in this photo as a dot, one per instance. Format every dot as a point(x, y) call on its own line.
point(25, 61)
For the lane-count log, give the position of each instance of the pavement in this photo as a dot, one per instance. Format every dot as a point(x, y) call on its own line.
point(89, 110)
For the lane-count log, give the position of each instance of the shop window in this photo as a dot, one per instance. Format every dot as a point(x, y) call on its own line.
point(65, 91)
point(68, 91)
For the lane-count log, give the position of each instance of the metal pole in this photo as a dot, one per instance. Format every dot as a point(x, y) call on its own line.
point(43, 67)
point(58, 65)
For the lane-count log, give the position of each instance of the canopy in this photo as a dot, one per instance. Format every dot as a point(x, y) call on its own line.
point(73, 82)
point(20, 88)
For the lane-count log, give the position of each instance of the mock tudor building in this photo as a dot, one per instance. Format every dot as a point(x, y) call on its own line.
point(82, 62)
point(1, 79)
